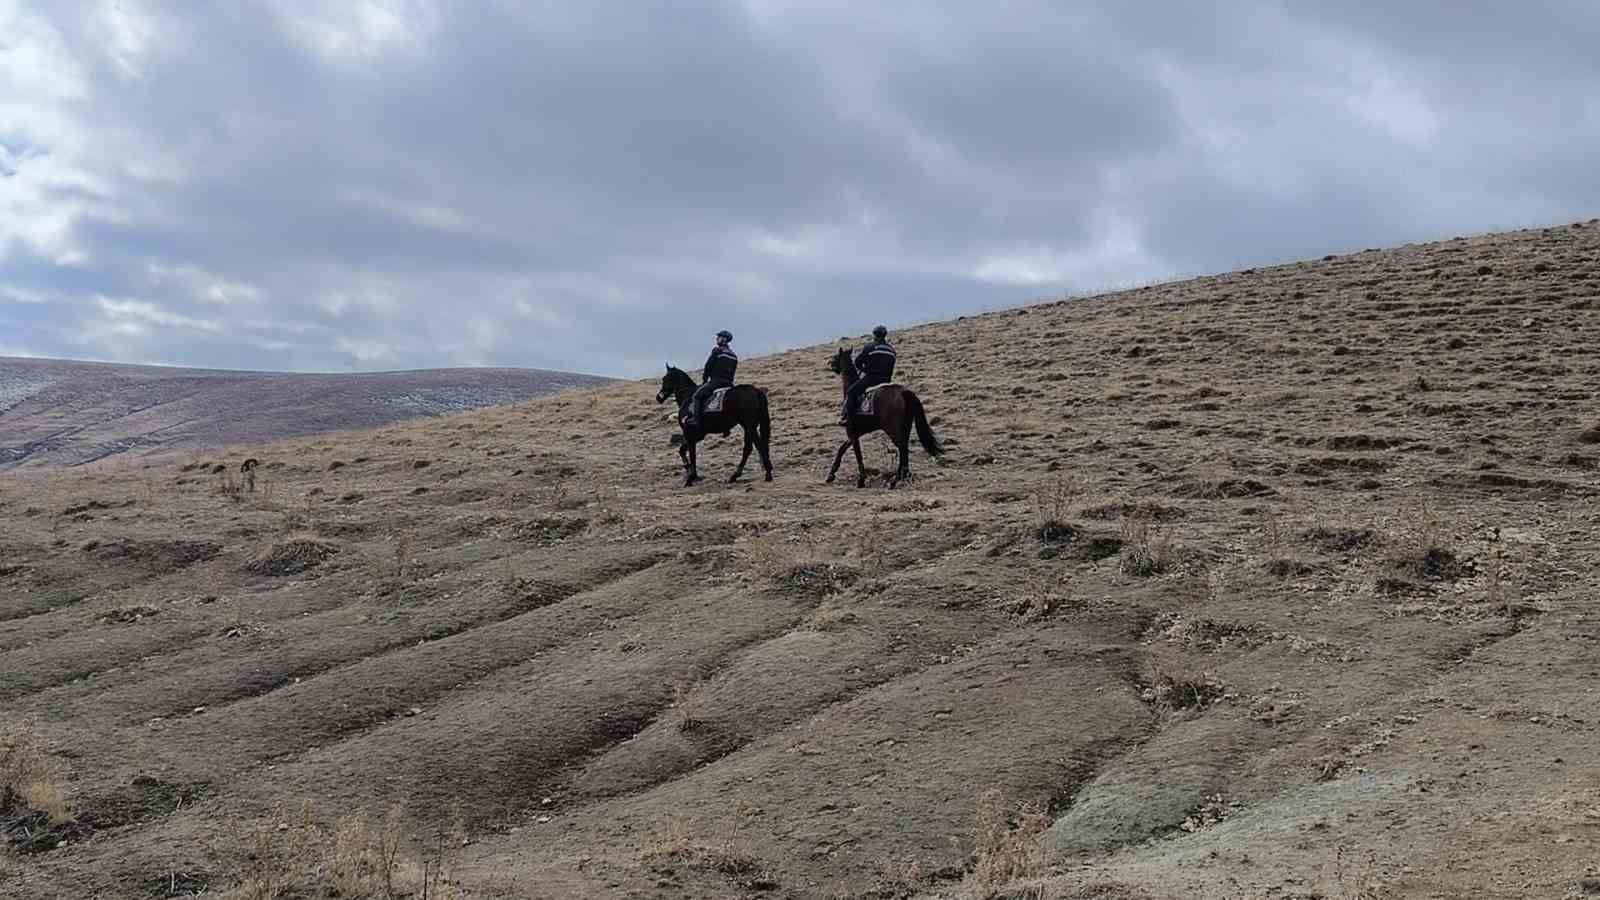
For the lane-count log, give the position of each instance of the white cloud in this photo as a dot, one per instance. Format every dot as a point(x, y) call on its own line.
point(1116, 257)
point(358, 31)
point(135, 315)
point(198, 284)
point(127, 33)
point(365, 350)
point(590, 185)
point(421, 215)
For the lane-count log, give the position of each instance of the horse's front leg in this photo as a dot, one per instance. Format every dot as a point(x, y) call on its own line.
point(837, 459)
point(861, 465)
point(694, 467)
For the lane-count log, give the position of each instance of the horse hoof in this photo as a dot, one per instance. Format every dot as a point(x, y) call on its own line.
point(828, 480)
point(769, 476)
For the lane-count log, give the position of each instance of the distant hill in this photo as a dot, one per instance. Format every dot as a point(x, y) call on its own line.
point(64, 412)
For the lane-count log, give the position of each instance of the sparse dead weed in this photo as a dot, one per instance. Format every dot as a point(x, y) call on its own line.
point(1147, 547)
point(1355, 880)
point(791, 562)
point(1177, 688)
point(1420, 539)
point(31, 791)
point(687, 711)
point(1042, 594)
point(832, 614)
point(291, 855)
point(727, 855)
point(1053, 502)
point(1007, 845)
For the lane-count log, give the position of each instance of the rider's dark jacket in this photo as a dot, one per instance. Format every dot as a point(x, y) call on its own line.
point(876, 361)
point(721, 364)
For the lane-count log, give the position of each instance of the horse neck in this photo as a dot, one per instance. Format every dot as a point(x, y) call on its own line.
point(849, 377)
point(685, 390)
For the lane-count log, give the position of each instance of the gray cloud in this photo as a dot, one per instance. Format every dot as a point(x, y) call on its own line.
point(403, 183)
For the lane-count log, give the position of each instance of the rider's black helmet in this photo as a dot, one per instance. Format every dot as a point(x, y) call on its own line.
point(880, 332)
point(725, 334)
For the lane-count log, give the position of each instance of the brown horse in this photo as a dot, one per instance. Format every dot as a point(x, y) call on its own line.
point(744, 406)
point(894, 410)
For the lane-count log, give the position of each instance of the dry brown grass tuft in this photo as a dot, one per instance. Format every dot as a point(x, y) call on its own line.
point(1176, 688)
point(675, 845)
point(606, 502)
point(291, 855)
point(1053, 501)
point(404, 548)
point(686, 707)
point(796, 564)
point(1146, 546)
point(30, 779)
point(1007, 846)
point(1042, 594)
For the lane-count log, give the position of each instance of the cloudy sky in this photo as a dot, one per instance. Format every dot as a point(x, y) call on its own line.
point(596, 186)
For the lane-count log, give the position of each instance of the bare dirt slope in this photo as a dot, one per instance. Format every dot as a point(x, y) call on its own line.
point(1272, 584)
point(64, 412)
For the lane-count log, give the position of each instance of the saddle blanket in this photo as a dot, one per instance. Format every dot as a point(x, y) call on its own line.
point(714, 402)
point(867, 397)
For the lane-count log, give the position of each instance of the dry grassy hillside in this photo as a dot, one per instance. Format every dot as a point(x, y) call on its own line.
point(1272, 584)
point(65, 412)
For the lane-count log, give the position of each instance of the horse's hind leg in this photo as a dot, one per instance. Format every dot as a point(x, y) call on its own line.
point(749, 442)
point(903, 470)
point(766, 457)
point(837, 459)
point(903, 444)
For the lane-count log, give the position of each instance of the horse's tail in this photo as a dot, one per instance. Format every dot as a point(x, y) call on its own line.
point(763, 417)
point(924, 430)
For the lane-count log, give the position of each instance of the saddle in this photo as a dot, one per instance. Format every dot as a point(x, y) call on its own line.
point(868, 396)
point(714, 402)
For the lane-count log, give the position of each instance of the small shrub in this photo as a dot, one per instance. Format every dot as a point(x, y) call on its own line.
point(30, 779)
point(685, 707)
point(1174, 688)
point(1146, 547)
point(404, 546)
point(674, 845)
point(1043, 594)
point(292, 557)
point(1052, 505)
point(1006, 845)
point(291, 855)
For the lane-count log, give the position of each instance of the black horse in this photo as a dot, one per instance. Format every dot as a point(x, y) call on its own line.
point(744, 405)
point(894, 410)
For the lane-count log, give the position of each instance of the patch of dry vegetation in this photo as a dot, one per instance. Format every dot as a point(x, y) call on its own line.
point(1007, 845)
point(675, 845)
point(1147, 546)
point(291, 855)
point(1177, 688)
point(31, 791)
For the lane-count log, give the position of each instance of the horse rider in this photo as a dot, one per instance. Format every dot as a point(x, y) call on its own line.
point(719, 370)
point(875, 364)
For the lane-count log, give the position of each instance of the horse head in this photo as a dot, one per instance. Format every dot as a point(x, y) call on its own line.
point(672, 382)
point(841, 363)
